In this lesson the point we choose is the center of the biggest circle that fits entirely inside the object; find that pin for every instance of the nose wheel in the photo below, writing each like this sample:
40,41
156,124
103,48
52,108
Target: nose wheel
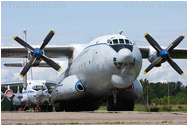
37,108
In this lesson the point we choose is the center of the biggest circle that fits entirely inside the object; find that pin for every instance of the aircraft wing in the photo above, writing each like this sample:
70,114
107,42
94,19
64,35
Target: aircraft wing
53,51
20,64
12,84
50,83
177,53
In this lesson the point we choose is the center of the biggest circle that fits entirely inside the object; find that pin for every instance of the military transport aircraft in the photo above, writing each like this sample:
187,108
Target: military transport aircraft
105,69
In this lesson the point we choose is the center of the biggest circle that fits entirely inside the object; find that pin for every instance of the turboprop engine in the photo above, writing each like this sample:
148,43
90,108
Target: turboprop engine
70,87
134,91
163,55
8,94
152,56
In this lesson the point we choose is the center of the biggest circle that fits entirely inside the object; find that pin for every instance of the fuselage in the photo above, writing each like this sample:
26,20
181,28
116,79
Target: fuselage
108,62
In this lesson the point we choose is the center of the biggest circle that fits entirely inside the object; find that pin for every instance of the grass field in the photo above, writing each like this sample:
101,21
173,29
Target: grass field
157,108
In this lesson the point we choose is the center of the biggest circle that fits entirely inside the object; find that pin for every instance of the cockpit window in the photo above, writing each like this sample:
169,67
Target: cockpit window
39,87
115,41
121,41
126,41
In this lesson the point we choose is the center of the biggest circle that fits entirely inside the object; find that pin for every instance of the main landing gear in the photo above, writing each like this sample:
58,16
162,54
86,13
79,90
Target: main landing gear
77,105
116,102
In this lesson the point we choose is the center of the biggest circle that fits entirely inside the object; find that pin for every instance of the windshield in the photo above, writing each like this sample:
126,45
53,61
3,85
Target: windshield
39,87
119,41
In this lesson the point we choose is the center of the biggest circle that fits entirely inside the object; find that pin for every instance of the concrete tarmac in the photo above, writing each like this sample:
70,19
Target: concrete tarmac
94,118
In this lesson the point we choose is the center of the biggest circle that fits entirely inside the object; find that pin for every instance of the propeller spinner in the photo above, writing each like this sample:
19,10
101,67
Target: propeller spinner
37,53
163,54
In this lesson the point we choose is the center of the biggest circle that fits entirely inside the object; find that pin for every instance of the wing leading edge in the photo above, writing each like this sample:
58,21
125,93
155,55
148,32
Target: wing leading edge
51,51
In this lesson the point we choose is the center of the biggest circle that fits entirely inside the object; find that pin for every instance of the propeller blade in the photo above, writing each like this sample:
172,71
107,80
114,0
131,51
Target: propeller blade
8,98
155,62
47,39
23,43
175,43
2,99
51,63
175,66
154,44
27,67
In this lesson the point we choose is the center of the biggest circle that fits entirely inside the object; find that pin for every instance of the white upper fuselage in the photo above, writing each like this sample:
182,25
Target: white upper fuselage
36,92
101,66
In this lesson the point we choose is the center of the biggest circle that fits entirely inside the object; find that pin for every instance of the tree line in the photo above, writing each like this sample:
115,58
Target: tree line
163,93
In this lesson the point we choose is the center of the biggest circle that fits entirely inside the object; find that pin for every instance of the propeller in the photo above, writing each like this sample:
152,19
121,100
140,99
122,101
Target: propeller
38,53
164,54
3,96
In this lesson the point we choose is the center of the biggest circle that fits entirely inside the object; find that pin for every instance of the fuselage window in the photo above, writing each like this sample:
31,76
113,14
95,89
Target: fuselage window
121,41
115,41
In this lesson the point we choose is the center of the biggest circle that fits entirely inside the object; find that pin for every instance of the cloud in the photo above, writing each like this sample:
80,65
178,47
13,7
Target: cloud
8,75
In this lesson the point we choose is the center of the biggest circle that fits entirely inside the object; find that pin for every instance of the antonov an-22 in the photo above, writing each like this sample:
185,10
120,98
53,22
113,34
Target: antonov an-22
105,69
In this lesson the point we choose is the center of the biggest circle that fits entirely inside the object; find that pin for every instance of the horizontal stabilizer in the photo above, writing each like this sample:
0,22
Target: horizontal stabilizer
12,84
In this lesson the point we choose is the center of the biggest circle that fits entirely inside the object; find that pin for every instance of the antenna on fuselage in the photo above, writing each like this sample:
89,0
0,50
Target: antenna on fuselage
121,32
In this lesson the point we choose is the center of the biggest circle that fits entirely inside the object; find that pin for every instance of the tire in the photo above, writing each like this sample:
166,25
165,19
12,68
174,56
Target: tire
50,108
129,105
110,105
58,106
121,105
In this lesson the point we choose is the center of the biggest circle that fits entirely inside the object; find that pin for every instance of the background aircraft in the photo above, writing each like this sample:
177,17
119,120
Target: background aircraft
105,69
34,95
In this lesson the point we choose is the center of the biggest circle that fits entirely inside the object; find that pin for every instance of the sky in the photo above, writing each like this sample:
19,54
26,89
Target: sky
81,22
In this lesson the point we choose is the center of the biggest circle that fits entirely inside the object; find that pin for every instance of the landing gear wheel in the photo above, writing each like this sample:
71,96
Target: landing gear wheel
50,108
58,106
120,105
129,105
110,104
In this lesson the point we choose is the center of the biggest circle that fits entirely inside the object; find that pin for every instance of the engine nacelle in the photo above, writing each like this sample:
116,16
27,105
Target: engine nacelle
9,93
70,88
134,91
17,99
152,56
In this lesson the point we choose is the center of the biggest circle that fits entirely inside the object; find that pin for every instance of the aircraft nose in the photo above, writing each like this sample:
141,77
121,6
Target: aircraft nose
40,93
125,56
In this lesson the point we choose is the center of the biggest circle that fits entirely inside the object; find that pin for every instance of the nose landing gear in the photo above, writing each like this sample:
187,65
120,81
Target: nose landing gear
37,108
